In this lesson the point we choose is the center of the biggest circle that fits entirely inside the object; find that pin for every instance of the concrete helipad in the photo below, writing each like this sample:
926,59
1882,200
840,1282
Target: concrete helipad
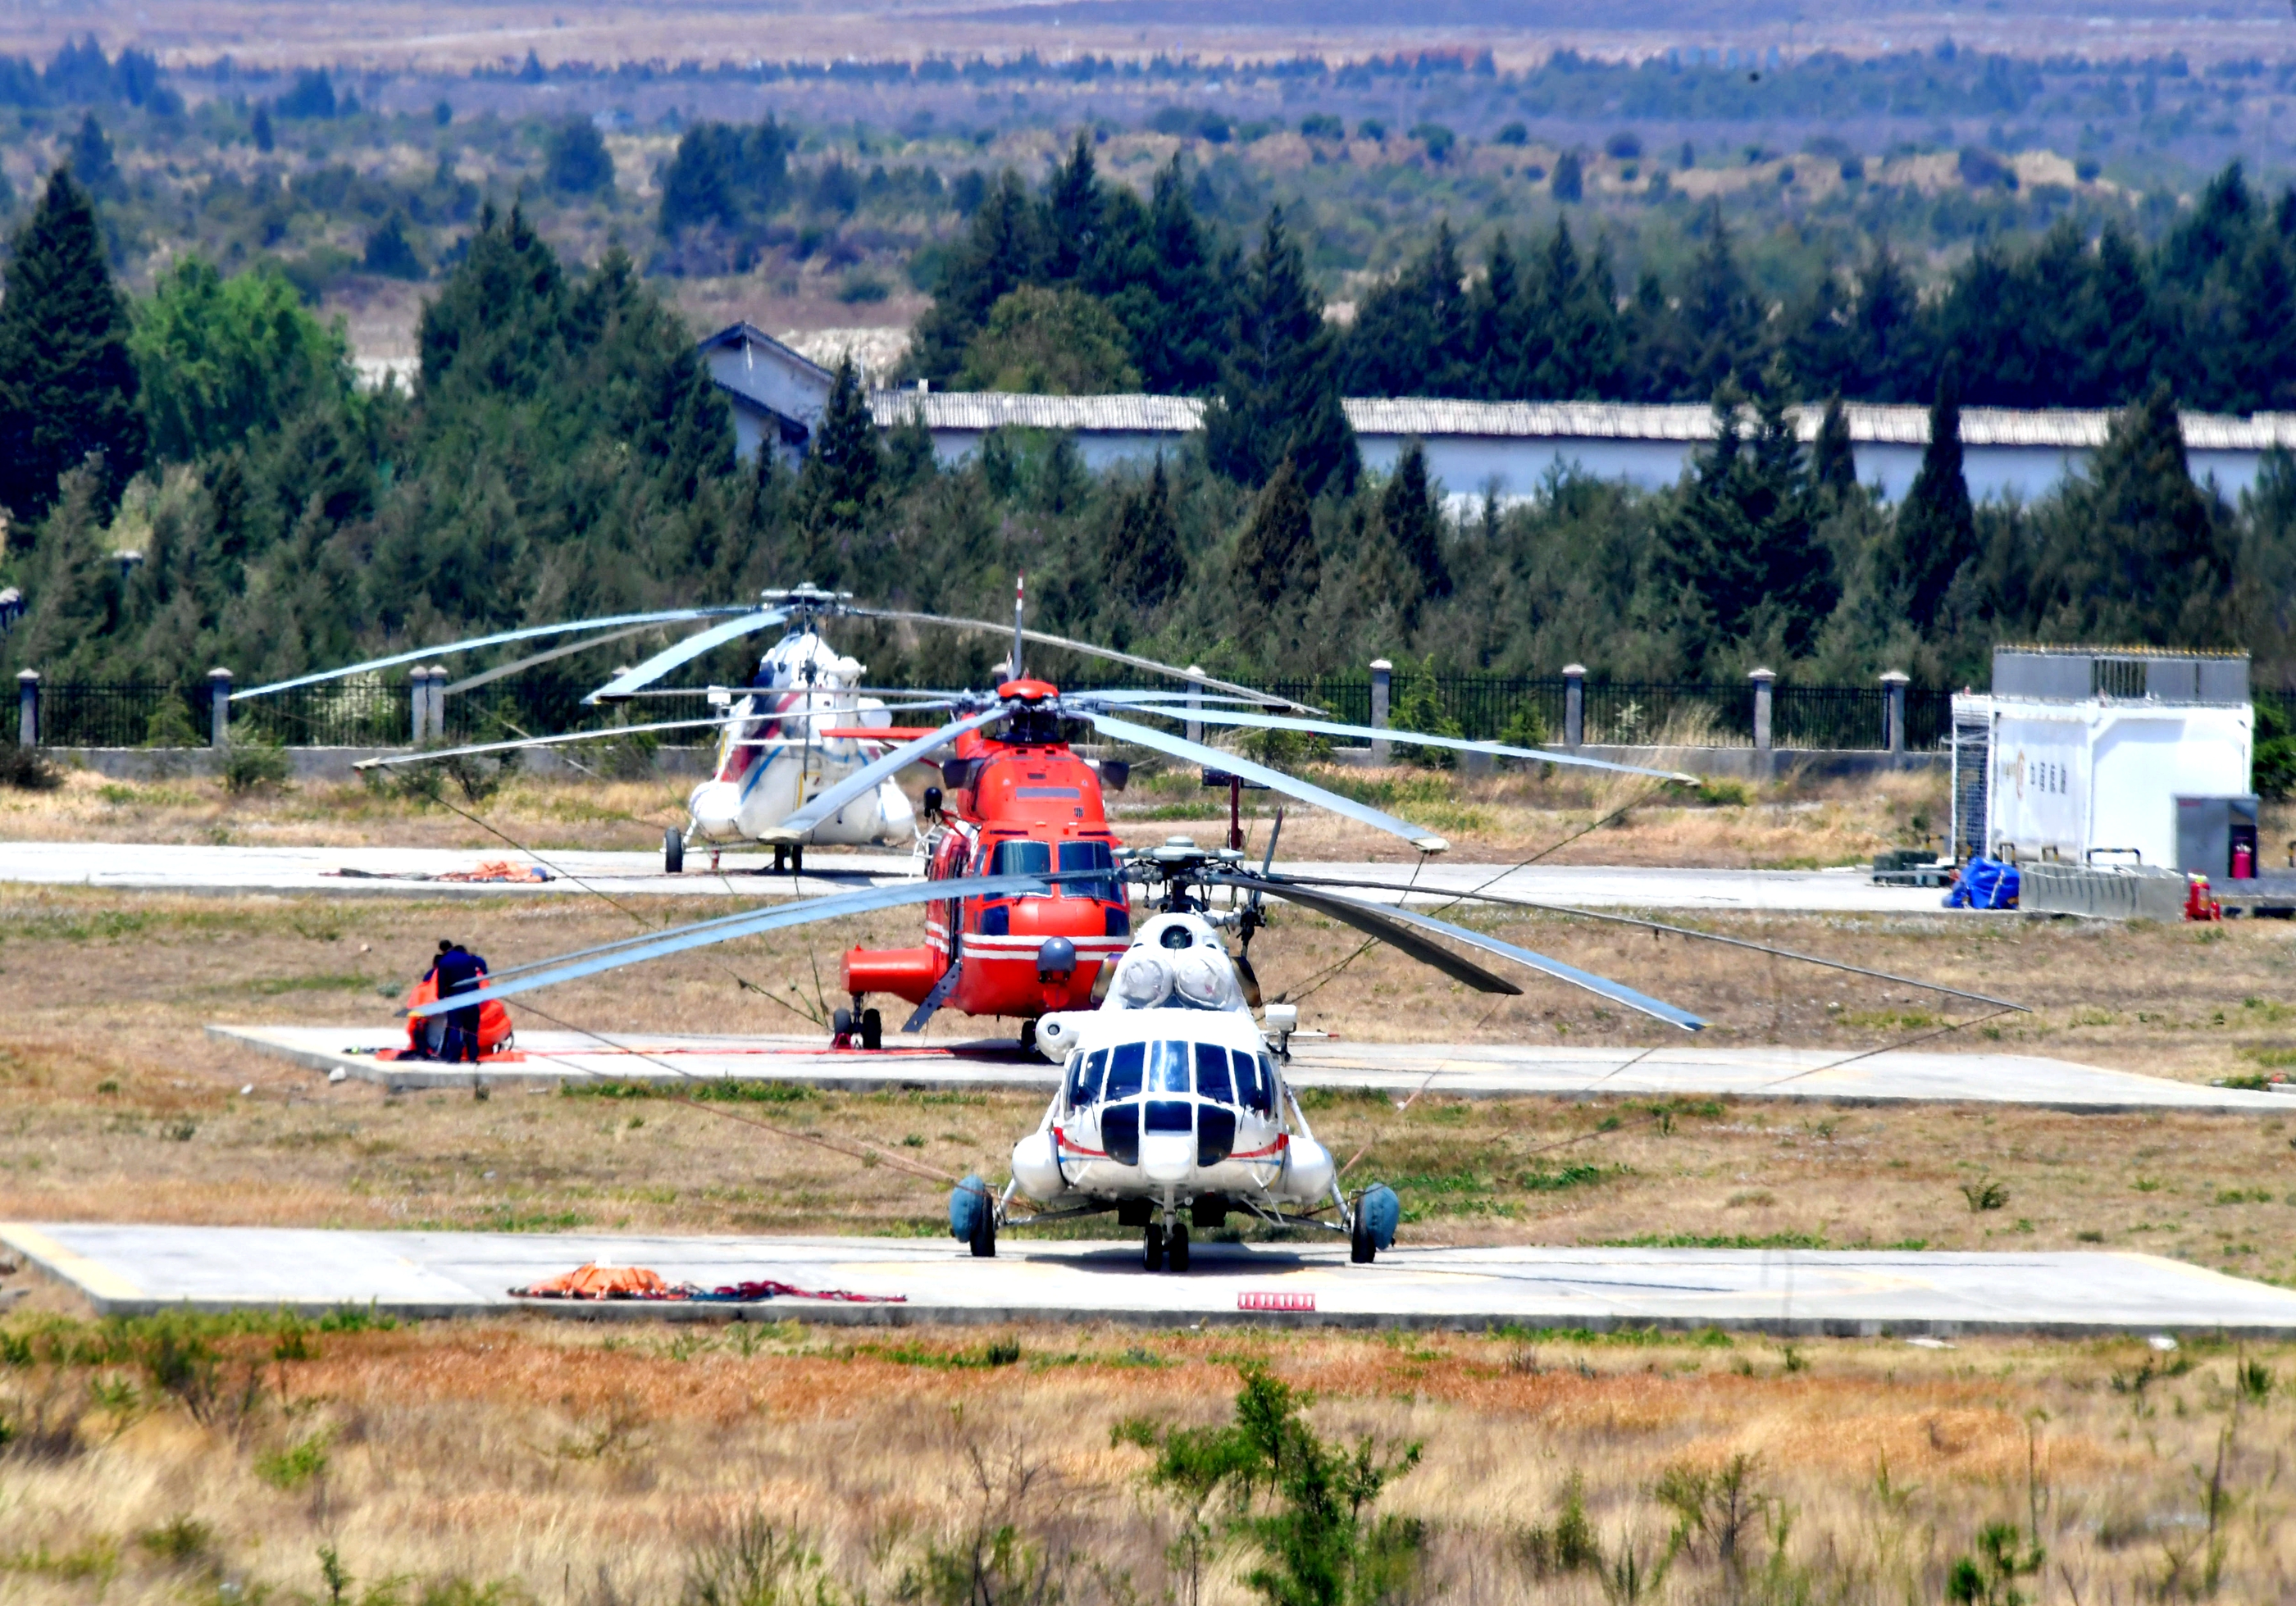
1483,1070
127,1270
404,871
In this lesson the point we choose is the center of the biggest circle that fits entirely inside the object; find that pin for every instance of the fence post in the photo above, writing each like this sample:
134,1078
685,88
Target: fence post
1195,704
439,702
28,707
1763,680
1893,710
418,704
1574,704
1383,686
218,708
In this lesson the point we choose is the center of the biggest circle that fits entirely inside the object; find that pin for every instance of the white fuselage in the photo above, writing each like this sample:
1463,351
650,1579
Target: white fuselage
1168,1091
777,753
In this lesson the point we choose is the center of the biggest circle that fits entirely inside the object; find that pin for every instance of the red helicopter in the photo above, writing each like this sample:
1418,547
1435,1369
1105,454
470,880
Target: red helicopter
1024,890
1018,802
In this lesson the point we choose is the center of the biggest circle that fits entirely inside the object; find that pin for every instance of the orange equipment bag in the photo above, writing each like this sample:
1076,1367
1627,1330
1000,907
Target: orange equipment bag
494,1021
591,1281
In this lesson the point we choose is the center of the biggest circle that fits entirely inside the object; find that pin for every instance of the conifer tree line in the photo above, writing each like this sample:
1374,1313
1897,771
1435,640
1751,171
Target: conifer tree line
562,453
2062,321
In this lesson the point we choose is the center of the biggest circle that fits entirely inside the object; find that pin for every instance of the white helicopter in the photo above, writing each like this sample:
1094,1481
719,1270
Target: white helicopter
1173,1109
803,727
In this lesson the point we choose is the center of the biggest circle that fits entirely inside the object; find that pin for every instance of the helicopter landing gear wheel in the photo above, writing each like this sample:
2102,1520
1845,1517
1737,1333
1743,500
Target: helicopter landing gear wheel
673,850
984,1231
841,1028
872,1030
1028,1034
781,861
797,859
1176,1249
1152,1255
1363,1248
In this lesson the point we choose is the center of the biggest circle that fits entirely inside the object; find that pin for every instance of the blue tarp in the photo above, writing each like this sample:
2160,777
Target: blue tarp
1984,884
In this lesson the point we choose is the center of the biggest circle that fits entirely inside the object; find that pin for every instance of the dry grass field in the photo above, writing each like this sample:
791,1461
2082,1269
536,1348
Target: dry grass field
498,1463
1789,824
492,1463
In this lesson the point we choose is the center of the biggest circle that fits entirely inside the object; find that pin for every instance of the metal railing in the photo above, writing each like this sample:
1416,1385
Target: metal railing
1530,710
122,715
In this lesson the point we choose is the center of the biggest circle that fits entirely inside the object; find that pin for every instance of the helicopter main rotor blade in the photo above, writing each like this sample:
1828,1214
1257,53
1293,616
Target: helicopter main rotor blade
500,671
864,781
1498,749
659,945
606,734
1195,677
1376,920
1658,925
1275,780
666,616
1351,911
684,653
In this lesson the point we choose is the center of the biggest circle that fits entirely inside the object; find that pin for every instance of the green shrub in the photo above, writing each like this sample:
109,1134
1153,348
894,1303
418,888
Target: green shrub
170,726
254,766
25,770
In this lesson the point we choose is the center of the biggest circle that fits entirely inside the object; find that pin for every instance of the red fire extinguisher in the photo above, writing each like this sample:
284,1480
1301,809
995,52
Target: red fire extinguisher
2243,862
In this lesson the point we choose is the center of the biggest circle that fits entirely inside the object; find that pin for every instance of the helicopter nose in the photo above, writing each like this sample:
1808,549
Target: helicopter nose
1167,1157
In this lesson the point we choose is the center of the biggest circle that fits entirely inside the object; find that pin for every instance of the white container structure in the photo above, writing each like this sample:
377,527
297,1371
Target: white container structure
2112,755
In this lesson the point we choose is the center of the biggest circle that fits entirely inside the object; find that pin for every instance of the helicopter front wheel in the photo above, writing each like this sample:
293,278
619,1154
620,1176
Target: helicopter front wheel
1176,1249
673,851
1152,1254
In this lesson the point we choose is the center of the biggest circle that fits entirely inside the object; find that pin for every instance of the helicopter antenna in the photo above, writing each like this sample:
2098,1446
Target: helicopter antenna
1019,606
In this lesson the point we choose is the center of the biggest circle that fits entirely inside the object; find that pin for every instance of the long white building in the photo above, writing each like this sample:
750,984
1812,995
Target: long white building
1474,448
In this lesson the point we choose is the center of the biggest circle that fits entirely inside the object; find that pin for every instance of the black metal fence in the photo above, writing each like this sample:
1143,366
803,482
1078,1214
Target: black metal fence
1525,709
86,715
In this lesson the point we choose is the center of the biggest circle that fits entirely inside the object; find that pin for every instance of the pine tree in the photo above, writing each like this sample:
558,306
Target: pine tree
838,486
1738,553
1832,461
2135,552
1004,249
1936,527
1498,317
1412,335
67,381
1889,353
1280,395
1278,566
1072,214
1413,524
91,154
1578,346
1146,563
73,592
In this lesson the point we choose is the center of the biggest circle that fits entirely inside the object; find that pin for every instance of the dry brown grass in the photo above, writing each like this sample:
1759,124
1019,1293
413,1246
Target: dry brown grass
1498,818
582,1466
113,1104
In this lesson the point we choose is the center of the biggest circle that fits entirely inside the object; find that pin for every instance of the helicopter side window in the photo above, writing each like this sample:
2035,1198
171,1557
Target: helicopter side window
1211,1073
1167,1066
1083,1080
1090,856
1021,857
1255,1079
1124,1064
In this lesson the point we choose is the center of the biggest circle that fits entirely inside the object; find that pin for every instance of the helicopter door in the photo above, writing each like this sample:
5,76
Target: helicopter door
1084,1081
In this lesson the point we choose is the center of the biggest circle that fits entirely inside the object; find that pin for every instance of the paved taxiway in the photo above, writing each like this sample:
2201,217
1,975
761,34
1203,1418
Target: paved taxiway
404,871
1479,1071
128,1269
